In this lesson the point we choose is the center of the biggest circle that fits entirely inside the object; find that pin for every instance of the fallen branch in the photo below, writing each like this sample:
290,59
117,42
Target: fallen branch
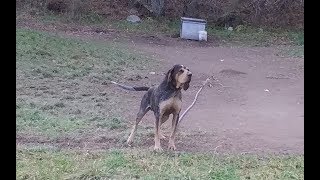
195,99
215,149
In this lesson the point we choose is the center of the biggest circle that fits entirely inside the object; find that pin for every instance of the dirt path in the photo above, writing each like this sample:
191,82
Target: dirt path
260,110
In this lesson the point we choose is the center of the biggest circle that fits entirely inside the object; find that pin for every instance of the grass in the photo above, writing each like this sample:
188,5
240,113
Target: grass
254,36
136,164
42,55
149,25
294,51
32,119
241,35
53,56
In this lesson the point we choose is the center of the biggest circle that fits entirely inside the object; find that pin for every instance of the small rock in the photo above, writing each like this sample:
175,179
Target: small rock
103,94
239,28
266,90
86,94
230,28
59,104
99,104
133,19
78,111
152,72
221,60
135,78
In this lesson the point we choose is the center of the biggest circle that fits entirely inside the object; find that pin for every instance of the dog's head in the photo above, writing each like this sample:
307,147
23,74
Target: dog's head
179,76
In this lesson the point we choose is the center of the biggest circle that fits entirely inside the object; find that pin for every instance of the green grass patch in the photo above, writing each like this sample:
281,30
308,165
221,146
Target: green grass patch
115,123
137,164
32,119
43,55
49,56
297,37
241,35
88,18
149,25
253,36
292,51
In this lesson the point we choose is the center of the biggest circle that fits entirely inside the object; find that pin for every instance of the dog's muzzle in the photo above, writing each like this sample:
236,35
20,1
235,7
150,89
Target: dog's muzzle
189,75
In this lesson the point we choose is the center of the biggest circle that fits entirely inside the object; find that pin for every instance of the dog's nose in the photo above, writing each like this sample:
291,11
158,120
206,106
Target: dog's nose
189,74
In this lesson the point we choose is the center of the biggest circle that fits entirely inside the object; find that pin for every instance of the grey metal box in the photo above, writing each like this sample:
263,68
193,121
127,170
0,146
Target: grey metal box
190,27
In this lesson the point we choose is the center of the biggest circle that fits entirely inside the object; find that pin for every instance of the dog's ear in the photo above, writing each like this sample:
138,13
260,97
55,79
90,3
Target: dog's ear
186,85
169,77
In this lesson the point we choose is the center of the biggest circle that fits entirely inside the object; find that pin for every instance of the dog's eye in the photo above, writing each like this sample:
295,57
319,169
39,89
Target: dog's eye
181,70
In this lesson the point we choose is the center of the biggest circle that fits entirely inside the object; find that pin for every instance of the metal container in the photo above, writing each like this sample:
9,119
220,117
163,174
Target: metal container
190,28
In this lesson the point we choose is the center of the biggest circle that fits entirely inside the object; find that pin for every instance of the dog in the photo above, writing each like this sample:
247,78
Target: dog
163,100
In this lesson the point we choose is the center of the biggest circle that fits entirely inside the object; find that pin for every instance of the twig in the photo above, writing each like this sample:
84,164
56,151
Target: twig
247,152
195,99
215,149
197,94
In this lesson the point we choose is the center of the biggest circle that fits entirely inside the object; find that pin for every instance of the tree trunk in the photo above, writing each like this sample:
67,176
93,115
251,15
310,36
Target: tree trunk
158,7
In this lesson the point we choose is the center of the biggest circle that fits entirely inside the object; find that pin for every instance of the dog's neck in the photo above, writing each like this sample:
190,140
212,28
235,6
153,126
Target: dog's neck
170,86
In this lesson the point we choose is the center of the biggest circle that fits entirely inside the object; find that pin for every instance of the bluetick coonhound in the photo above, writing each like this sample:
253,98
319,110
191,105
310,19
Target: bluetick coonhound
163,100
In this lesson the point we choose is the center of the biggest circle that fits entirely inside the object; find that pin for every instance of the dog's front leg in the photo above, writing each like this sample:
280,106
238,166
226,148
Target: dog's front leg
175,120
163,119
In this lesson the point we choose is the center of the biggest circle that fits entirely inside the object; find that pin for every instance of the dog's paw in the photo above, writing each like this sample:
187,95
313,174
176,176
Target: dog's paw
158,149
172,147
129,142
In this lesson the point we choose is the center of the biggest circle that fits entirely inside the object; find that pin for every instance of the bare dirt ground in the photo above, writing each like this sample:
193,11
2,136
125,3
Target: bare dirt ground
260,109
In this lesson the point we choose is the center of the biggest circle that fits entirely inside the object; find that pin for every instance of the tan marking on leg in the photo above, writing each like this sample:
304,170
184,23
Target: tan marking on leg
175,119
157,145
163,120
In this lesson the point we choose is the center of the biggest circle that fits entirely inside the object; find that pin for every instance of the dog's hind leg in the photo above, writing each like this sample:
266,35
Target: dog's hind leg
144,108
157,145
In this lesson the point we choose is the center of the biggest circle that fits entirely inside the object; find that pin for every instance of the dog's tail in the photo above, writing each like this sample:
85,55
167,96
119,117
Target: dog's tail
131,88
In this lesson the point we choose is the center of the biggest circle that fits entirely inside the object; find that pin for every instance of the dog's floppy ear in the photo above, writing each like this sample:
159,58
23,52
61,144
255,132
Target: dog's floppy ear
169,77
186,85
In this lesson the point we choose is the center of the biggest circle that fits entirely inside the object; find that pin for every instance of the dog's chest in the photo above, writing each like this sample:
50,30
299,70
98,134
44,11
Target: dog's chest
171,104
